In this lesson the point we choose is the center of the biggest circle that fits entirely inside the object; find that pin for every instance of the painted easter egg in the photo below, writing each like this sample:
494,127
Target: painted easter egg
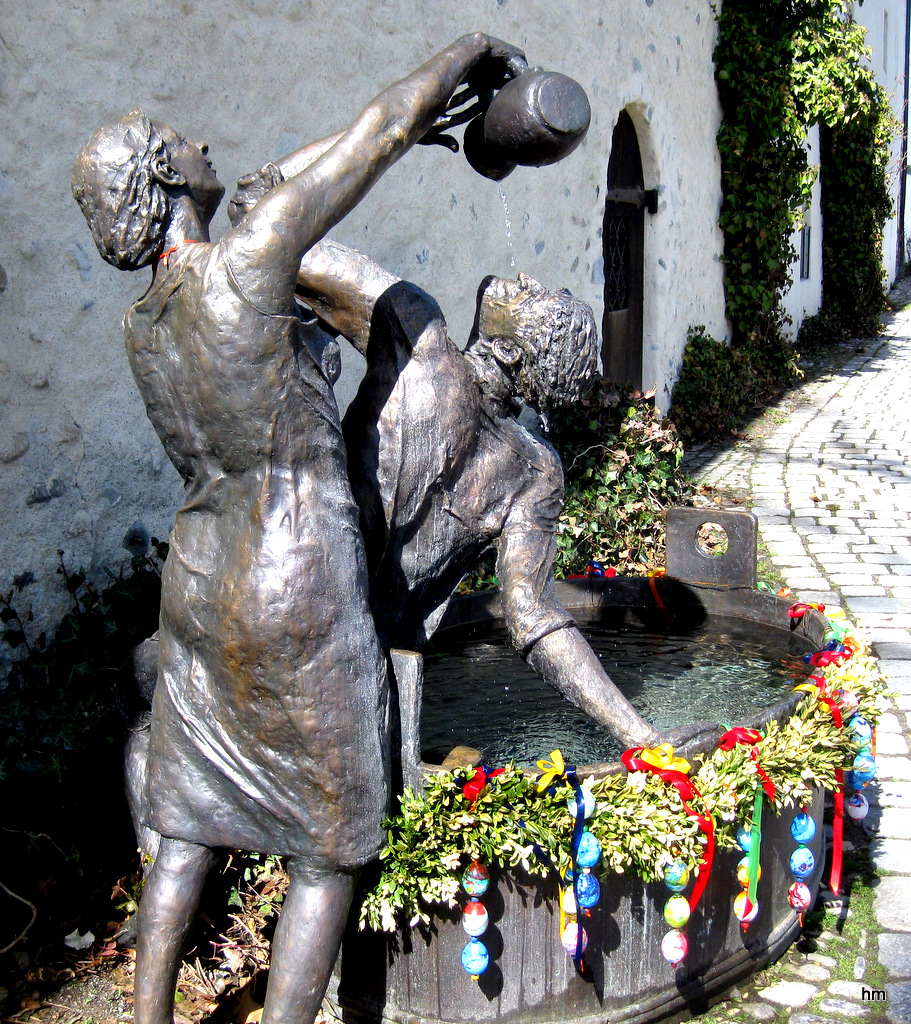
803,828
588,851
674,946
475,879
743,872
740,908
802,862
588,890
588,802
744,839
848,700
857,806
475,919
475,958
570,937
677,875
864,767
861,729
799,896
677,911
568,902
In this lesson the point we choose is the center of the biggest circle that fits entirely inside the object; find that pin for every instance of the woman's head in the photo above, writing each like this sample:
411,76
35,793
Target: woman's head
115,184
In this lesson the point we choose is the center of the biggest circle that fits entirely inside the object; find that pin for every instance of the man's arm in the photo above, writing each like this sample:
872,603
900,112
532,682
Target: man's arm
565,660
545,634
266,247
341,286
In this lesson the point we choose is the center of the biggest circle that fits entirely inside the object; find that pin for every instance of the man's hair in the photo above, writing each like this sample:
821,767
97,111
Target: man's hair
126,208
559,337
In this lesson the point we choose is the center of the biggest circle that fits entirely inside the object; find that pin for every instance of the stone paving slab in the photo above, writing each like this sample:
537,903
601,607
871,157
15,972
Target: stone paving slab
890,743
899,1011
895,953
892,856
892,903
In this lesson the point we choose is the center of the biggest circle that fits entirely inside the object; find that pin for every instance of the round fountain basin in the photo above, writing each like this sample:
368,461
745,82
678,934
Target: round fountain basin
417,976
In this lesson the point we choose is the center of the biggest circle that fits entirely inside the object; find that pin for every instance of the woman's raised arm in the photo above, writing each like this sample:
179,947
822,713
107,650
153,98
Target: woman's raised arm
266,247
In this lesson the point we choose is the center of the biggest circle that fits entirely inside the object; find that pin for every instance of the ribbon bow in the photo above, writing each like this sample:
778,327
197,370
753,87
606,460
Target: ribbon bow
799,609
748,738
473,786
660,761
822,659
553,770
662,758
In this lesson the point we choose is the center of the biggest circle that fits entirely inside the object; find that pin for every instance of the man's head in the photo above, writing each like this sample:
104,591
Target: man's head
123,180
546,341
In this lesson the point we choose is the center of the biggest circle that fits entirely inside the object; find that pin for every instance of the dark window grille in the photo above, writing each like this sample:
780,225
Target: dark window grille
616,262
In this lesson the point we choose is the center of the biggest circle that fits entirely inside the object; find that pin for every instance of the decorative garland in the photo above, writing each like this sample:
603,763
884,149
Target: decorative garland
661,821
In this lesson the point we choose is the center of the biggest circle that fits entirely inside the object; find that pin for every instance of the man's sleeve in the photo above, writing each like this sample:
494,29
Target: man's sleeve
525,563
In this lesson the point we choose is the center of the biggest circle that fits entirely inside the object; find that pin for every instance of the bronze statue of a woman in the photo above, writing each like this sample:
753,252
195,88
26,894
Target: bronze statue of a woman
270,718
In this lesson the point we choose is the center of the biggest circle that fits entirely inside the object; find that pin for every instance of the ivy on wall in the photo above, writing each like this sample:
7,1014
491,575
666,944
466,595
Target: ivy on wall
781,66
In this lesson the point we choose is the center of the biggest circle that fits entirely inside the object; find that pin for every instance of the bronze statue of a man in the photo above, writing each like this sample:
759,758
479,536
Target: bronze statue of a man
270,717
442,469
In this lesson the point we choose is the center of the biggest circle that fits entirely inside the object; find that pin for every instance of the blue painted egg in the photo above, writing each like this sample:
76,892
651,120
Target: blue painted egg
588,851
588,890
854,780
475,958
803,828
861,729
864,767
677,876
744,839
802,862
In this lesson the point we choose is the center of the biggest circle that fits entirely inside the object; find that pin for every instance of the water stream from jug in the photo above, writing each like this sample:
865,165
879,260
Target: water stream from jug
512,251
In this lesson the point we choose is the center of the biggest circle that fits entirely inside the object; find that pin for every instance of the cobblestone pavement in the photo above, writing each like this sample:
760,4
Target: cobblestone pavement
831,486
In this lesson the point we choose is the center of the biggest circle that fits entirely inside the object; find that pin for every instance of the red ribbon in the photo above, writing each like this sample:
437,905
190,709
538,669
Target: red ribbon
798,609
472,788
838,823
823,658
748,738
687,791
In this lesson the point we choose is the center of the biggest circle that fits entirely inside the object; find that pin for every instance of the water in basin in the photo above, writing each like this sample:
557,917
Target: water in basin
478,692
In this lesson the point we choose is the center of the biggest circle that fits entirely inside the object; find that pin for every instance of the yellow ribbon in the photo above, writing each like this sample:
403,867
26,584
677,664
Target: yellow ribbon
553,770
662,757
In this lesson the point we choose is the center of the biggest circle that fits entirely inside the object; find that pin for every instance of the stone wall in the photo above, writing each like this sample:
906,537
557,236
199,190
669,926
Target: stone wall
80,468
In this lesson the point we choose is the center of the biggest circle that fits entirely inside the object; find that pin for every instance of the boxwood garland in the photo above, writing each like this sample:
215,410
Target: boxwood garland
639,820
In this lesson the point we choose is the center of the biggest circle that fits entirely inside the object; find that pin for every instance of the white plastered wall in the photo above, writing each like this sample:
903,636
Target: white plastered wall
79,462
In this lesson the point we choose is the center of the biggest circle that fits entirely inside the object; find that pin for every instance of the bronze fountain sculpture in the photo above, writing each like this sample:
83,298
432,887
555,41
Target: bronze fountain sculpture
271,717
